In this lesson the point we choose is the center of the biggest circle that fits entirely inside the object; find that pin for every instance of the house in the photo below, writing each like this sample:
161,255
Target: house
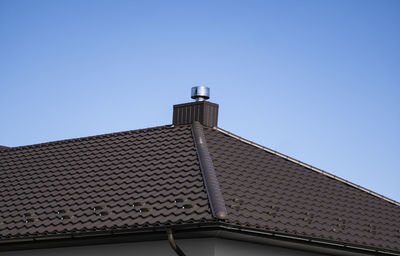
190,188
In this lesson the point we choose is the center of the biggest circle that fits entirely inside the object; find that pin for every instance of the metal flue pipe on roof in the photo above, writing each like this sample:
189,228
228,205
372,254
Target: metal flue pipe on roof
200,93
201,110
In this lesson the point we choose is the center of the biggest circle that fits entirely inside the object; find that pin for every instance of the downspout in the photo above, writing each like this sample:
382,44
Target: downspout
174,246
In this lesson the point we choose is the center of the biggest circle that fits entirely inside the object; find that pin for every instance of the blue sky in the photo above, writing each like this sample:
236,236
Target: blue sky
316,80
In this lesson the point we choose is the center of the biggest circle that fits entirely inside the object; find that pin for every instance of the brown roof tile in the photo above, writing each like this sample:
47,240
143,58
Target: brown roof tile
153,178
123,180
266,191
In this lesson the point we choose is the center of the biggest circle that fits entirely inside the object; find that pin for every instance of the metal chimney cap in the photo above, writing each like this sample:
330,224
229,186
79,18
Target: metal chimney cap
200,93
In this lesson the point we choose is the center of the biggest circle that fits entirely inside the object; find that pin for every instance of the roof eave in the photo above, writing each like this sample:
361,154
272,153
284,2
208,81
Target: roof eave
197,230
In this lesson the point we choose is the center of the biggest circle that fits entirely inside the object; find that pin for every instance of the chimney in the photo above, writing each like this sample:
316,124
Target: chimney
201,110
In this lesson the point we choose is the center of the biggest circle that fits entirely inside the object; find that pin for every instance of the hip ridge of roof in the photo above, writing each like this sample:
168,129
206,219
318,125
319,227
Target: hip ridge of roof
217,203
307,166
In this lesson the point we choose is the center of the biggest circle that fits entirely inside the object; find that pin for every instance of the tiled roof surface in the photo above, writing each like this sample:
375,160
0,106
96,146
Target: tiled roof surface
265,191
152,178
123,180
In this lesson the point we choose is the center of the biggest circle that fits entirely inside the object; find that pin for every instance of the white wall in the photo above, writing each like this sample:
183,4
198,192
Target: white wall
191,247
224,247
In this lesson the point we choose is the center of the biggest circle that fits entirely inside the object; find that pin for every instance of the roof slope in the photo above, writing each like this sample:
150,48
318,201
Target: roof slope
123,180
186,174
266,191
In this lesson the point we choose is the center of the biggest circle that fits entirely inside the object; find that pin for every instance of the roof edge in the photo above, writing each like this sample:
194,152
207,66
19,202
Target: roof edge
3,148
307,166
216,199
196,230
309,243
40,144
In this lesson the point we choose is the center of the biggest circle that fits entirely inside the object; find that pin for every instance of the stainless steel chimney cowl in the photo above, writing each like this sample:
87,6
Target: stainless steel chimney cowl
200,93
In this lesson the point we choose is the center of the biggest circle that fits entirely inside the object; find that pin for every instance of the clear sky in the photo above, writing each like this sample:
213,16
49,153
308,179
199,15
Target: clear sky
316,80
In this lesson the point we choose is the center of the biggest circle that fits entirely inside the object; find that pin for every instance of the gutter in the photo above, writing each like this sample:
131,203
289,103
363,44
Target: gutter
297,242
199,230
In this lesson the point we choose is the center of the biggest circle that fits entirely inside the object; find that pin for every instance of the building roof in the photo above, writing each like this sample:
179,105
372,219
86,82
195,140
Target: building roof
266,191
131,179
186,174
